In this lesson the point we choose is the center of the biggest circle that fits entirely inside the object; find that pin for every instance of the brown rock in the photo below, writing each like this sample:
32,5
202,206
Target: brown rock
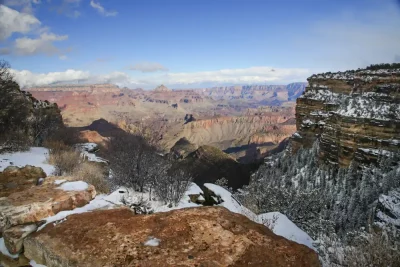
14,236
14,179
206,236
8,262
35,203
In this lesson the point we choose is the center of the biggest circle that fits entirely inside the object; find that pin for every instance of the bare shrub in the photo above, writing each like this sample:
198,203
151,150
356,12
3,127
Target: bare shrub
171,187
270,222
93,174
65,161
134,163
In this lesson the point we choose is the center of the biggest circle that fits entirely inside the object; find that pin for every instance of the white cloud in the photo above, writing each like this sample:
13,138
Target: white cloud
24,5
254,75
41,45
27,78
148,67
42,42
102,10
13,21
63,57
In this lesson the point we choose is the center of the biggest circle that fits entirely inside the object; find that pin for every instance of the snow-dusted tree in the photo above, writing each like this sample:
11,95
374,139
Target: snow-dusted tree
14,111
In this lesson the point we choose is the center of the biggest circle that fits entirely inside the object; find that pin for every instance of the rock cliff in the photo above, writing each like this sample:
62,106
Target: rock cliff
354,114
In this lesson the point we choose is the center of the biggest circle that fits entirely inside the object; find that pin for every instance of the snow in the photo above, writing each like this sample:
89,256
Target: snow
367,107
74,186
5,251
152,242
36,156
99,202
34,264
286,228
58,182
283,227
114,199
87,152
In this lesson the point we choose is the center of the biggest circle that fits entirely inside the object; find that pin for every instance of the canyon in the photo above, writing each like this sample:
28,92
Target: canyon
241,120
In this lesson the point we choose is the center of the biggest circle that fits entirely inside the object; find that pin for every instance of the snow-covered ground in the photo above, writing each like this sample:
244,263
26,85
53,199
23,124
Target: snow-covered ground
35,156
282,226
87,152
286,228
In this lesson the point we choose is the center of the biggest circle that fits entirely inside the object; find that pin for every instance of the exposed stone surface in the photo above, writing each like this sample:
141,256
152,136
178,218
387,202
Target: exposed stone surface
8,262
31,204
14,236
355,114
207,236
14,179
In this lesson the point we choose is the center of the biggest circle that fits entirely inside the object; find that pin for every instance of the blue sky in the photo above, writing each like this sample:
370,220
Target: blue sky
193,43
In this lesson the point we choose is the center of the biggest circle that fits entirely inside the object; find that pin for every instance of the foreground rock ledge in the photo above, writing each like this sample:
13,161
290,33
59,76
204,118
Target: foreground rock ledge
205,236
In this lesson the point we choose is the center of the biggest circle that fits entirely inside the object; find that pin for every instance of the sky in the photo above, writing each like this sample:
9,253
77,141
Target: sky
193,43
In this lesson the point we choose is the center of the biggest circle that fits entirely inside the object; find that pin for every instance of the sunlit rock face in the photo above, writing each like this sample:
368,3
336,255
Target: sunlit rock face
354,114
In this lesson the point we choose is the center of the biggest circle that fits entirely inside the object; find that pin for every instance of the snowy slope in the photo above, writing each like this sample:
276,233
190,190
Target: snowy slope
35,156
283,226
286,228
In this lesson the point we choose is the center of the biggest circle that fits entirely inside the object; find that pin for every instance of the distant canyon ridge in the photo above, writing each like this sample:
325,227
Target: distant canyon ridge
245,121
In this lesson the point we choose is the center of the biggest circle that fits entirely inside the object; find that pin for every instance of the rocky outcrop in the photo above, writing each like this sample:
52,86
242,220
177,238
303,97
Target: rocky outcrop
162,88
32,204
207,164
225,132
354,114
14,179
182,148
207,236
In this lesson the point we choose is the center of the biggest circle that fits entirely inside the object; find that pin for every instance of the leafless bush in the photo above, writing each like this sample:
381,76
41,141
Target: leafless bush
171,187
65,161
93,174
270,222
134,163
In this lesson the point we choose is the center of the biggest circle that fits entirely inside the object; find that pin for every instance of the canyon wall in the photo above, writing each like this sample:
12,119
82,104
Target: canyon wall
354,114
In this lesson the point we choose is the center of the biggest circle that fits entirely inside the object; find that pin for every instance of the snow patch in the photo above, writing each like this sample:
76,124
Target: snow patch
4,250
36,156
286,228
152,242
74,186
34,264
58,182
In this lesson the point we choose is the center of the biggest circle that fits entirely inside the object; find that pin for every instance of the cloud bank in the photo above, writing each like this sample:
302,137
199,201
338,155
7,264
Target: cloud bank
253,75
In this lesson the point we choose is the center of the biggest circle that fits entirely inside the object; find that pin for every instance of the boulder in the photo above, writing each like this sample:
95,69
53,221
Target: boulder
14,236
204,236
32,204
14,179
8,262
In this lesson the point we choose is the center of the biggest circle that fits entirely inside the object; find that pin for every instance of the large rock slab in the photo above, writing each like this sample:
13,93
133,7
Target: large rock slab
14,179
32,204
205,236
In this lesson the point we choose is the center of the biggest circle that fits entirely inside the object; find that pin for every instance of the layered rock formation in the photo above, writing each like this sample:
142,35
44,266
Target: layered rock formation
27,197
355,114
208,236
